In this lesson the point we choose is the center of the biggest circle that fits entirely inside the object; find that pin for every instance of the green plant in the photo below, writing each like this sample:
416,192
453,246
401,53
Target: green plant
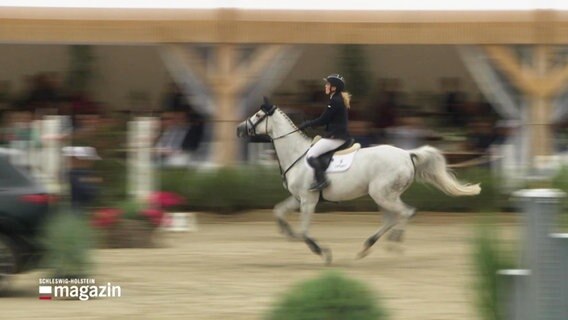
131,209
488,258
355,68
81,71
68,240
226,190
330,296
233,189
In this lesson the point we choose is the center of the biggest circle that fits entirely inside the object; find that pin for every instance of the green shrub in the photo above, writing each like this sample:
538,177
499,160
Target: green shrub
233,189
226,190
488,258
331,296
68,240
427,198
131,209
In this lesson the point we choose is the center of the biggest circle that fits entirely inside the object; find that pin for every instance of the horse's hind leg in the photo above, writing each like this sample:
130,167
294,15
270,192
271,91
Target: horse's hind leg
389,222
389,201
280,211
397,233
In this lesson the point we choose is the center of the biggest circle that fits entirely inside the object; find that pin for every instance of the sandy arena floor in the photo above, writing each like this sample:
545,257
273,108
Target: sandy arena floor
235,267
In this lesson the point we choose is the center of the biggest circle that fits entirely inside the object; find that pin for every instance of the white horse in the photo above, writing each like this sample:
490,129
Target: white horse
384,172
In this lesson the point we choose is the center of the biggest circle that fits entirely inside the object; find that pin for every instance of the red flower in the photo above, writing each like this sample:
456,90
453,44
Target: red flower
165,199
105,217
154,215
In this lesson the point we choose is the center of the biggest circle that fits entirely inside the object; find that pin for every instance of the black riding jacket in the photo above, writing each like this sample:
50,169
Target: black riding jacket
335,118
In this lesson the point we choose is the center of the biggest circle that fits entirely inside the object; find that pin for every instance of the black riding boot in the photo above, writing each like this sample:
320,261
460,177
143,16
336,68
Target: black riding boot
321,180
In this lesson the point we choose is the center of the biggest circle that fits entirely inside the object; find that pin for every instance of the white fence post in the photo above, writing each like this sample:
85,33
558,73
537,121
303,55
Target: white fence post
141,133
51,154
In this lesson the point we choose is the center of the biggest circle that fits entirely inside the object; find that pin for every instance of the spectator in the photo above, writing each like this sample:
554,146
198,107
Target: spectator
83,181
480,136
452,100
385,106
171,147
409,133
174,99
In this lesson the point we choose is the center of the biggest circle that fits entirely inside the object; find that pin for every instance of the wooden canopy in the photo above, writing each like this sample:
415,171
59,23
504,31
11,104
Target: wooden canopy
150,26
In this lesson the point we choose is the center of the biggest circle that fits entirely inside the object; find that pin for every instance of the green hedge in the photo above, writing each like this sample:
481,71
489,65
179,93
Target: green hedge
332,296
68,240
226,190
488,258
234,189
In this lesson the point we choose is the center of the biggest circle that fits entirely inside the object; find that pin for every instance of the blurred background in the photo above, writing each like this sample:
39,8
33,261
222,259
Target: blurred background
123,121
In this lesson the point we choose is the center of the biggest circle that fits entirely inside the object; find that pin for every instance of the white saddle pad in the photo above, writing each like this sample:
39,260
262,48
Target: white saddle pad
339,163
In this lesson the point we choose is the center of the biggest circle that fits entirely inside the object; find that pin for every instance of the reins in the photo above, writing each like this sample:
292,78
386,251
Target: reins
285,135
284,172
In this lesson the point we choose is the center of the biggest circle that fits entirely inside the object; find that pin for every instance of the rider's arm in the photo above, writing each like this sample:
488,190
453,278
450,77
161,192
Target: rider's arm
323,119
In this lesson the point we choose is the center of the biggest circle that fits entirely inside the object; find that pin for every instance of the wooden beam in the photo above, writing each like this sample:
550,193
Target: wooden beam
248,71
538,84
508,62
137,26
185,54
557,80
541,139
227,109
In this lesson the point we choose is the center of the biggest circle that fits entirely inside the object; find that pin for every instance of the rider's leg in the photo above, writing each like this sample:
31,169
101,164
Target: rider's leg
321,147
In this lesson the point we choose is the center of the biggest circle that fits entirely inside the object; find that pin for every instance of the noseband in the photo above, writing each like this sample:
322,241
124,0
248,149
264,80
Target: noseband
251,130
251,127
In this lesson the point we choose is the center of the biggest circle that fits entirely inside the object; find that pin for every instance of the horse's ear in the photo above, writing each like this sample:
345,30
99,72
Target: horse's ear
268,107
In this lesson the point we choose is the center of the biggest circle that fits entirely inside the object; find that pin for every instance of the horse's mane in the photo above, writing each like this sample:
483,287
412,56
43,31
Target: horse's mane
292,124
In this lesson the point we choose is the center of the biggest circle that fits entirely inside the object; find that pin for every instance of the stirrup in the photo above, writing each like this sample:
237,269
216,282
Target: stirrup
318,186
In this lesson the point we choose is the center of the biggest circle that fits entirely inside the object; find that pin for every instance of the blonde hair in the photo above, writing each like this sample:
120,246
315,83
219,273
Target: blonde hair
346,99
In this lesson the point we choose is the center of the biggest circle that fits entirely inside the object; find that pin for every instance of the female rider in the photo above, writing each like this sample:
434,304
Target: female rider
335,119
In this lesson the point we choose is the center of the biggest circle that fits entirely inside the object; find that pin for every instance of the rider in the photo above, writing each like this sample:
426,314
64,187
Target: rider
335,119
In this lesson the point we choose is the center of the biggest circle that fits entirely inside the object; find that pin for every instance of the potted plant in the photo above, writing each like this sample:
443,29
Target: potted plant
132,223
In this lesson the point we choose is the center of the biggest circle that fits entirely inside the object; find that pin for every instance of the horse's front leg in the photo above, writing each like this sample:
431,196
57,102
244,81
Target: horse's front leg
308,208
280,211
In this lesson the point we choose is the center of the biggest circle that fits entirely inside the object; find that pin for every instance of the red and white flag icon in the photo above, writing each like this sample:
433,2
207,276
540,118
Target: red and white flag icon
45,292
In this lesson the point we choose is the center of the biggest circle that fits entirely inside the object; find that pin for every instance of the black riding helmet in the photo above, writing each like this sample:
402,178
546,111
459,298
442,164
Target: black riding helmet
336,81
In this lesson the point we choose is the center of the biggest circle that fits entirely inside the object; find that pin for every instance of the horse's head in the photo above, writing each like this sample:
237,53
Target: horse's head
257,124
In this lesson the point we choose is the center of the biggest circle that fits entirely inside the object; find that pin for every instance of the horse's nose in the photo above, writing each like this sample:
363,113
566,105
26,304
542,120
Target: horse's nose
241,129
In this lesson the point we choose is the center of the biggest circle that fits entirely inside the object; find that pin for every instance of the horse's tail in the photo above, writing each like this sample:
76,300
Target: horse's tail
431,168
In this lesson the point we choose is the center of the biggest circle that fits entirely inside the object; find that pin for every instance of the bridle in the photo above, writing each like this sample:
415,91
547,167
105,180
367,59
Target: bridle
251,127
251,131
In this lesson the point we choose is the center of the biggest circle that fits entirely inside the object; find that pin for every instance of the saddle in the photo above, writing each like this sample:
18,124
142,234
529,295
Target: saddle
348,147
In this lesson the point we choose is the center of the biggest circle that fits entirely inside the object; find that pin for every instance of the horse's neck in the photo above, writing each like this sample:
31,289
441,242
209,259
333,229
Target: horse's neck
291,147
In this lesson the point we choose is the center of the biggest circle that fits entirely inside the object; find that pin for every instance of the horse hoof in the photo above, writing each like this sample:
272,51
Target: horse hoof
365,252
326,255
395,248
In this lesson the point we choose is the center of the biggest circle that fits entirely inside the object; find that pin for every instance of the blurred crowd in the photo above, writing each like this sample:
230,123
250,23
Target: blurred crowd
88,121
460,124
95,131
449,118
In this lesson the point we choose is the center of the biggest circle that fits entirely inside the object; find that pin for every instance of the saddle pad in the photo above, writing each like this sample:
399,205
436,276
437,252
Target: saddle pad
339,163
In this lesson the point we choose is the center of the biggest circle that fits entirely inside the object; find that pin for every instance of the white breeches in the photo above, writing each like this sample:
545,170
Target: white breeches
324,145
